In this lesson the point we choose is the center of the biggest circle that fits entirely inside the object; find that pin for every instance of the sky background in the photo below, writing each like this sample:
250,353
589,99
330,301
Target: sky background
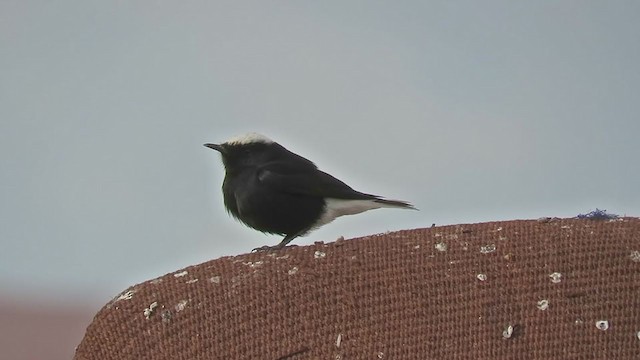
473,111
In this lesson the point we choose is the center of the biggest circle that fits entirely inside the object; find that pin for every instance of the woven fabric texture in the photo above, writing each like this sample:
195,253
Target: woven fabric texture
536,289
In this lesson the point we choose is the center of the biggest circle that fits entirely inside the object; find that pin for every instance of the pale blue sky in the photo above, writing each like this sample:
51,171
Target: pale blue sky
474,111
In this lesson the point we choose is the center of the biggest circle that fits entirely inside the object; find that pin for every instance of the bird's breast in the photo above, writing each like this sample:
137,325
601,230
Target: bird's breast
269,209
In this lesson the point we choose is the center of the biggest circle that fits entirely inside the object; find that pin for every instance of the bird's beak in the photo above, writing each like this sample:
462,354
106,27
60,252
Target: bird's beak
215,147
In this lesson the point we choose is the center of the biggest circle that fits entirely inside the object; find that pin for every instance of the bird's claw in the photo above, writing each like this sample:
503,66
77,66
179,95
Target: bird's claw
266,248
270,248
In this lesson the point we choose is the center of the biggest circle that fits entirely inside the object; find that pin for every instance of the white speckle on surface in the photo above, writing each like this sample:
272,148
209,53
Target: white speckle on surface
380,355
192,281
417,247
181,273
635,256
127,295
441,246
156,281
579,321
507,332
253,264
556,277
319,254
489,248
543,304
638,335
602,324
498,229
339,340
166,316
482,277
215,279
293,270
149,311
181,305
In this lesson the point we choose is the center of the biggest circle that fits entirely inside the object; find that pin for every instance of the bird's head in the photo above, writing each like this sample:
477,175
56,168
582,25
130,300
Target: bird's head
247,150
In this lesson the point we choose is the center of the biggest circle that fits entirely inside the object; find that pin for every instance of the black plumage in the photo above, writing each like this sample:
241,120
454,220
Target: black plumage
273,190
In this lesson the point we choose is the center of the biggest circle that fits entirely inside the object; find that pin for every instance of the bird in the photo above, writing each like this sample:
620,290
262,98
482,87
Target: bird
275,191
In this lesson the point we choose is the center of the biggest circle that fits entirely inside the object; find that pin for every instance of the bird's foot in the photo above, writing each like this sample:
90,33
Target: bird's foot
287,239
267,248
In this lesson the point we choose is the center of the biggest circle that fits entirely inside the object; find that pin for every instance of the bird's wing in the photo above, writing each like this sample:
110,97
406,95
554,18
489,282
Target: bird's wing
307,181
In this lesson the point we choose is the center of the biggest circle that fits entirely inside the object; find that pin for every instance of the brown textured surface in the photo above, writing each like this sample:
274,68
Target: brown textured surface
411,294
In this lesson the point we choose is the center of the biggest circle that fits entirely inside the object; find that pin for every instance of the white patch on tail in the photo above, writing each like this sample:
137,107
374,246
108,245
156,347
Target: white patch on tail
339,207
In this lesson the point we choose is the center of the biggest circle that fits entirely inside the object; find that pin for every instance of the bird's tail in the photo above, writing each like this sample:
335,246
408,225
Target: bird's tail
395,203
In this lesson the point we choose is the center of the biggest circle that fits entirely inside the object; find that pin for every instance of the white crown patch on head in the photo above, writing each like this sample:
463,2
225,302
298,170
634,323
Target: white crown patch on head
250,138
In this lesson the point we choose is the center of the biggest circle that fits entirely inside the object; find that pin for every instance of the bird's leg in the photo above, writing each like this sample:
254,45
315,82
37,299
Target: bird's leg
287,239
